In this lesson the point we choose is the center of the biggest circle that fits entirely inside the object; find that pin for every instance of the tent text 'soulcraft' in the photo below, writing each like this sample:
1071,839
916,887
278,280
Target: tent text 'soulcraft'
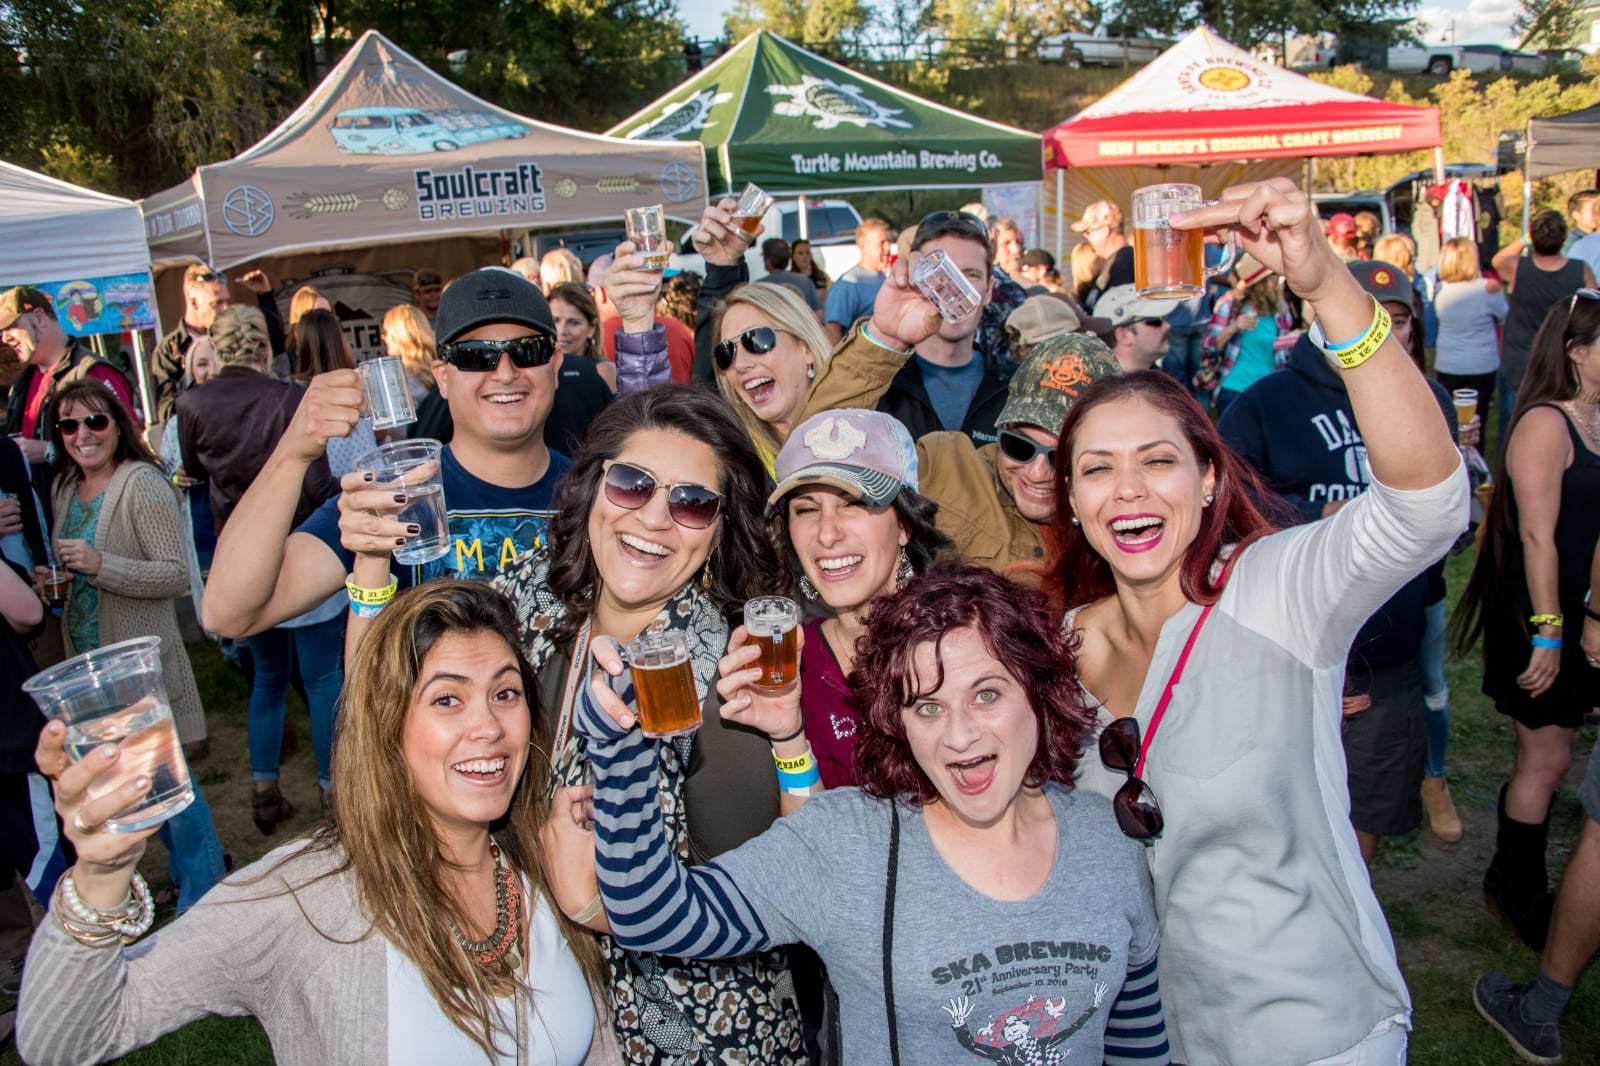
386,150
797,124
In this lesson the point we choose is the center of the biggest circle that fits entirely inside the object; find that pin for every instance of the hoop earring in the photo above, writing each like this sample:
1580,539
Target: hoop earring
903,570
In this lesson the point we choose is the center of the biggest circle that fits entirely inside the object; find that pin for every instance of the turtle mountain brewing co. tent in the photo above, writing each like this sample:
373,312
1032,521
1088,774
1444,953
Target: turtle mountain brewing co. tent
1205,102
388,151
794,123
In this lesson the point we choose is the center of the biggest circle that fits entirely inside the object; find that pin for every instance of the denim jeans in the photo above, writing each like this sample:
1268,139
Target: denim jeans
1435,691
319,649
1182,360
1508,401
194,854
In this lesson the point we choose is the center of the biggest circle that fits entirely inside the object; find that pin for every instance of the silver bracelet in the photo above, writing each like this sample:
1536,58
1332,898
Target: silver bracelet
130,921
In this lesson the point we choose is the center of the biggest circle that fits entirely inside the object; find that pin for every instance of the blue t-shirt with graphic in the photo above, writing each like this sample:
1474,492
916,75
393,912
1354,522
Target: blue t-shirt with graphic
490,525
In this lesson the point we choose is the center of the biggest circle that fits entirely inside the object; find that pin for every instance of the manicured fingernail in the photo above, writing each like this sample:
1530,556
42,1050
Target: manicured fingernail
399,497
1175,218
399,542
366,475
108,753
413,529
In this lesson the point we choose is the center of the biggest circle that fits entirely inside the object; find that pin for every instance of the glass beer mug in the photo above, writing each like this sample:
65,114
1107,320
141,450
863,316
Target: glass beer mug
1172,264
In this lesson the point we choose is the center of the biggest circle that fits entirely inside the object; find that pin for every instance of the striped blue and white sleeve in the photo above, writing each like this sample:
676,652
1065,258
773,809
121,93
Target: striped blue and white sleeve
1136,1031
653,901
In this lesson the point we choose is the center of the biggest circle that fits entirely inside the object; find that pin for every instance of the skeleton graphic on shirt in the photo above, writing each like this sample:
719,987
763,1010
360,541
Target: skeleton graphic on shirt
1022,1048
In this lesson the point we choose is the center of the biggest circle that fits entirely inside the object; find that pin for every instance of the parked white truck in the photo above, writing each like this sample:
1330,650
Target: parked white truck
1098,49
1440,59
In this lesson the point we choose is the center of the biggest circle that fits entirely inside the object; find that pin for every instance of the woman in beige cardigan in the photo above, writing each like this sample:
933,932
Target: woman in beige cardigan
119,530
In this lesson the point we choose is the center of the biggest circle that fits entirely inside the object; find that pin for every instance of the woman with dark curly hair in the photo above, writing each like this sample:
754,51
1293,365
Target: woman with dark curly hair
847,506
1011,919
659,527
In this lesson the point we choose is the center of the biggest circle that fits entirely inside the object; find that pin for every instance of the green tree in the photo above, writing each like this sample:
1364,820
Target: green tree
1547,23
1249,22
833,26
1015,23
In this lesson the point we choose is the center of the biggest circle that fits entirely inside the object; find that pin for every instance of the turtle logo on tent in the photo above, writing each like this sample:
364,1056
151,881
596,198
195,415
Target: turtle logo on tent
832,105
686,116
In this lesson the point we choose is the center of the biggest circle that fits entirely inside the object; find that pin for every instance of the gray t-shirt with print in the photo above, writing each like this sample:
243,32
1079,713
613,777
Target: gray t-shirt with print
975,979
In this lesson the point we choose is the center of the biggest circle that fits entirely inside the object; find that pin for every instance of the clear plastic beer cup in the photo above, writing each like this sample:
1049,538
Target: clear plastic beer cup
115,694
647,229
388,397
413,468
753,204
942,282
1172,264
1466,403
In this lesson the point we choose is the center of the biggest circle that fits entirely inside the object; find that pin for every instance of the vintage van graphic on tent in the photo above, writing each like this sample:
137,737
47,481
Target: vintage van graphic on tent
409,130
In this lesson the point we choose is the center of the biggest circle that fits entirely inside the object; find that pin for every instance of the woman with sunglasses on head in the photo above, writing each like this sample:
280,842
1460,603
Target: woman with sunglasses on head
120,531
659,527
1531,576
414,925
1215,647
947,895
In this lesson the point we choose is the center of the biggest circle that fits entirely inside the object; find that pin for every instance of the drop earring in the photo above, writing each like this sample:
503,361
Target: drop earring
811,371
705,576
903,571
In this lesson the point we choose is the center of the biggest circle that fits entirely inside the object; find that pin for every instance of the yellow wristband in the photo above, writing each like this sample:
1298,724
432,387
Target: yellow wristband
797,765
1353,353
370,597
1547,619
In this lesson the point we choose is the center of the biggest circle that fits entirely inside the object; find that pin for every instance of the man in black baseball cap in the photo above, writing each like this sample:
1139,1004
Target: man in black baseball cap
497,369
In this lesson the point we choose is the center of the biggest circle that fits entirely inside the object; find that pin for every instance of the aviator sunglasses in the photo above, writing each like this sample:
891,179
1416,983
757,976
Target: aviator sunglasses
757,340
629,486
478,357
1138,813
1021,448
95,422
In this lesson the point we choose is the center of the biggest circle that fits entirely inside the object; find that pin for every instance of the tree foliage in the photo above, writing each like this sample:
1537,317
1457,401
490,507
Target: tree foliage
1249,22
1019,23
826,25
1547,23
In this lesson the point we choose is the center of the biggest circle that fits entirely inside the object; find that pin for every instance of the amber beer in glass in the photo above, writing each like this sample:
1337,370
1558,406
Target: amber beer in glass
1170,264
773,624
753,204
663,684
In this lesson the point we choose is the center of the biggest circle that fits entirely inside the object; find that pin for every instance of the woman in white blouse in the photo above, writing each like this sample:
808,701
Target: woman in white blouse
413,926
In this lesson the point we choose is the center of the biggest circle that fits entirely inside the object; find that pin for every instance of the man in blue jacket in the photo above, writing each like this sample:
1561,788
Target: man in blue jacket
1296,427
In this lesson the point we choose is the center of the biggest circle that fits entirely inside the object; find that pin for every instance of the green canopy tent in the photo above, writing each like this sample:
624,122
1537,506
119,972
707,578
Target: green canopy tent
794,123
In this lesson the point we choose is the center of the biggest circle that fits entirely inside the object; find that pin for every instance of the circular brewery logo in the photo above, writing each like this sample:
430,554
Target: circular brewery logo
1224,79
247,211
679,182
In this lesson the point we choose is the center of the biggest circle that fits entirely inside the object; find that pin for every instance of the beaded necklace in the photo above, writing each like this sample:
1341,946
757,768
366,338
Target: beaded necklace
503,942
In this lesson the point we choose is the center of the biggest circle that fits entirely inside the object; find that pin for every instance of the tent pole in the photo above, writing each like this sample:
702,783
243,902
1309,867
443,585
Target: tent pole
1311,174
1527,182
1438,163
805,223
140,372
1061,237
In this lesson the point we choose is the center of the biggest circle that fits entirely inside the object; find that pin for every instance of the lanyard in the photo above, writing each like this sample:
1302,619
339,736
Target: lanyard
575,675
1166,696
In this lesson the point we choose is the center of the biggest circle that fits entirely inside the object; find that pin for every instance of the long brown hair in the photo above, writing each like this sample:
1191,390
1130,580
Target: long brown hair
582,301
319,345
1076,574
1551,377
96,397
382,828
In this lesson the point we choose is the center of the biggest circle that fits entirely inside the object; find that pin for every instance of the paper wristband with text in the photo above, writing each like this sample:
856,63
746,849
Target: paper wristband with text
1351,354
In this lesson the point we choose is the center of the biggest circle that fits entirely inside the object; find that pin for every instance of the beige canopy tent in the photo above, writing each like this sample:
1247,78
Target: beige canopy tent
385,151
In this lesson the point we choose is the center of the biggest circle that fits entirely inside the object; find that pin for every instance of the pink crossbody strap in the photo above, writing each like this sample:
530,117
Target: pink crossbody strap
1166,696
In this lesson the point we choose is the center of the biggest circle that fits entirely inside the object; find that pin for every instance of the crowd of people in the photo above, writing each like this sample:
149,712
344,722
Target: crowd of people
1073,551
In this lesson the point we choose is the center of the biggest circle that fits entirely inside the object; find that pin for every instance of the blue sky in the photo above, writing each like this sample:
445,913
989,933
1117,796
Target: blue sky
1476,21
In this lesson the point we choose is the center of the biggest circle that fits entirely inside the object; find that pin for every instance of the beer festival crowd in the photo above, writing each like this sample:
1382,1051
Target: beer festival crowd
1021,666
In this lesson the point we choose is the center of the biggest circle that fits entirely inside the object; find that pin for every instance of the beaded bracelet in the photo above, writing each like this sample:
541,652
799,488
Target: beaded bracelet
94,927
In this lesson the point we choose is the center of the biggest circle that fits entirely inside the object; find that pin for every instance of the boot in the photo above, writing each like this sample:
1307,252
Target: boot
1516,886
1442,816
268,808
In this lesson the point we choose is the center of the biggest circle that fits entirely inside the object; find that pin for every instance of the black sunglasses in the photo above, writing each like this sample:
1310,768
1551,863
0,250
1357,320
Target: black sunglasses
757,340
951,221
691,506
212,275
536,349
96,422
1138,813
1153,323
1021,448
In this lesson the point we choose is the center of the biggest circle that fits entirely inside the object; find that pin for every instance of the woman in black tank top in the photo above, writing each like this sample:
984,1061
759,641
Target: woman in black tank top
1531,575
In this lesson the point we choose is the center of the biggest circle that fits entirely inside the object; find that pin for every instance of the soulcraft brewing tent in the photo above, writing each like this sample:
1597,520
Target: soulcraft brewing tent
385,150
1204,108
794,123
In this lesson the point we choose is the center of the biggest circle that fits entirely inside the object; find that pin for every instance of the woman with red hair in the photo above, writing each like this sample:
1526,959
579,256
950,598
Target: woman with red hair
1215,648
965,896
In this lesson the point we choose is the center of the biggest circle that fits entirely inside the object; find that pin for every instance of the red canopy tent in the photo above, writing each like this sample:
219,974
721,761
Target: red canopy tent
1206,101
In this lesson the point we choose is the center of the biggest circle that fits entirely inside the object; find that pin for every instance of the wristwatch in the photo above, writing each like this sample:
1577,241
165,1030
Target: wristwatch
49,452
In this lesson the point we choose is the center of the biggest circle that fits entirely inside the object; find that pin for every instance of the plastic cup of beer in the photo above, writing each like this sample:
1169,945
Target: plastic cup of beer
388,397
647,229
773,624
1172,264
753,204
943,283
1466,401
412,468
116,694
663,684
55,585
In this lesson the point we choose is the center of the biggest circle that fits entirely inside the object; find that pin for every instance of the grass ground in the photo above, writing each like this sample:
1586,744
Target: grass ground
1430,891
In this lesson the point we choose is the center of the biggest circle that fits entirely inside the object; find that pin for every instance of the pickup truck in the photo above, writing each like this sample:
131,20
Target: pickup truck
1440,60
1099,50
830,227
406,130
